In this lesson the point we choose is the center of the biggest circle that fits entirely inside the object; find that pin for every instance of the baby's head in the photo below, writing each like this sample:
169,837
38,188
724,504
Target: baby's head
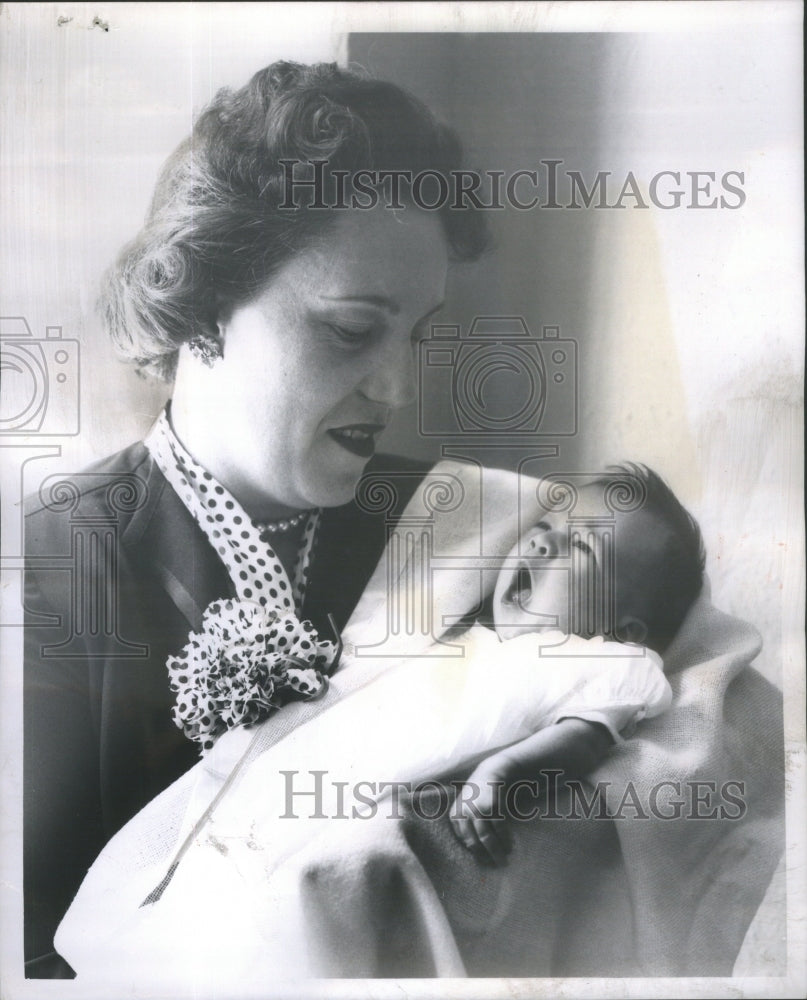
557,576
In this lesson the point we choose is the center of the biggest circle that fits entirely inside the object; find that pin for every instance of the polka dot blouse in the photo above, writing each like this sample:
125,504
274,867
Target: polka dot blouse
255,570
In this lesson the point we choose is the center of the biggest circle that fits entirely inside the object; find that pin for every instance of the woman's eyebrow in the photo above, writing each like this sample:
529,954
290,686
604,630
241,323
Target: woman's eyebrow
374,300
381,301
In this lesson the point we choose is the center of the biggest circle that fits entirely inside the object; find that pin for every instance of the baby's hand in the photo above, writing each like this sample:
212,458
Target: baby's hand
478,818
573,746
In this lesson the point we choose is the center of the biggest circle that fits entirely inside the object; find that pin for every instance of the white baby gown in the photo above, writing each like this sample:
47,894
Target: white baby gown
234,908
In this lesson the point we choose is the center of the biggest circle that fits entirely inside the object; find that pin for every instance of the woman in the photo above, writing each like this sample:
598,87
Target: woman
288,331
289,336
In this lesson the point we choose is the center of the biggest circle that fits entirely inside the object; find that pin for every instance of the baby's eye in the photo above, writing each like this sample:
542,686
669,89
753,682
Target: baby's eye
578,543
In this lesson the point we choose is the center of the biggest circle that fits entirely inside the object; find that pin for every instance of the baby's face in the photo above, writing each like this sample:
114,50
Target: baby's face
565,573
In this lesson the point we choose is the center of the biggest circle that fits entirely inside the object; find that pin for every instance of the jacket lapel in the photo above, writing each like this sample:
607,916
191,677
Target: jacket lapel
351,542
167,543
349,545
169,547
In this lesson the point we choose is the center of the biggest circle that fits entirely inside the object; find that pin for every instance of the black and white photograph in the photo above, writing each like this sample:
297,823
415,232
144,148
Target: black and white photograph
401,450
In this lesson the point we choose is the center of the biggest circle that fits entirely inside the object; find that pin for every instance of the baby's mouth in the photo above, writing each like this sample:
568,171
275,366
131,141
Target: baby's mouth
520,589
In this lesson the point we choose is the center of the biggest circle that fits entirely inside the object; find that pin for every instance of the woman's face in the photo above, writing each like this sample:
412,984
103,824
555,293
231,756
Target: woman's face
316,363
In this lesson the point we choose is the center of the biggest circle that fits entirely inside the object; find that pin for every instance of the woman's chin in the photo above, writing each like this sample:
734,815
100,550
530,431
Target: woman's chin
337,477
337,489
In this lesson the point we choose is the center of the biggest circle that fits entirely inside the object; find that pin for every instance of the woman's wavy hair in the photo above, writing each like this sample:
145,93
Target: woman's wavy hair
215,232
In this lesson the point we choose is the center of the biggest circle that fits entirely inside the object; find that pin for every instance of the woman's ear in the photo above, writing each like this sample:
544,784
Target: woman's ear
222,314
630,629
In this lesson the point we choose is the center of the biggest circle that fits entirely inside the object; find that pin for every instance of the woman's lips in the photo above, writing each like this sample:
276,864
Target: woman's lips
358,439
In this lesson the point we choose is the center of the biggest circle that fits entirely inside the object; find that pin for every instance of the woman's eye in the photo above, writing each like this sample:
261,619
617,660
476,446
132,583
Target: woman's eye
352,336
578,543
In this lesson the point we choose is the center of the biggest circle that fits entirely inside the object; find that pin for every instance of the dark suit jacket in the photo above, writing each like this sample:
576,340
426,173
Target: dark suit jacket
118,573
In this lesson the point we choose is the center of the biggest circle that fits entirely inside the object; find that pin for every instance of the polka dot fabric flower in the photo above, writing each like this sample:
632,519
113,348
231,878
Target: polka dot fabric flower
246,662
253,653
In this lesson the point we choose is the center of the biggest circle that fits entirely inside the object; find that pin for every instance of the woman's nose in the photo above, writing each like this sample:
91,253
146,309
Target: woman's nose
392,380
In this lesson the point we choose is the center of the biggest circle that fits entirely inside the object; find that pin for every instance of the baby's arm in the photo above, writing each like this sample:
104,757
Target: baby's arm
572,745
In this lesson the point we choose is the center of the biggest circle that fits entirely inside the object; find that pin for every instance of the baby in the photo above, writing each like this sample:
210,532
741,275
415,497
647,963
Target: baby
410,720
656,557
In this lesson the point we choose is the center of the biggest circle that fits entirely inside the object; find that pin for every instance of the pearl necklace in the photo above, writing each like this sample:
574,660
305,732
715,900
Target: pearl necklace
283,525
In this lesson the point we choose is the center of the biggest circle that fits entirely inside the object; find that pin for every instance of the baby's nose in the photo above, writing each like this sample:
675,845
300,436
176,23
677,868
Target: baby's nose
546,545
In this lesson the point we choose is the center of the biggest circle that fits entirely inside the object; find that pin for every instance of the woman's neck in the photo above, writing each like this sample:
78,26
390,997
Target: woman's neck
195,416
257,503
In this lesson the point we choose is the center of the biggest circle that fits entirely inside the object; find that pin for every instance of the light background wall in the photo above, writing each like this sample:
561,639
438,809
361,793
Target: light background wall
689,323
89,116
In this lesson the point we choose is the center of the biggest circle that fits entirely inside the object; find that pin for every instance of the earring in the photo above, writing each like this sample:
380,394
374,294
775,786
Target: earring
205,348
